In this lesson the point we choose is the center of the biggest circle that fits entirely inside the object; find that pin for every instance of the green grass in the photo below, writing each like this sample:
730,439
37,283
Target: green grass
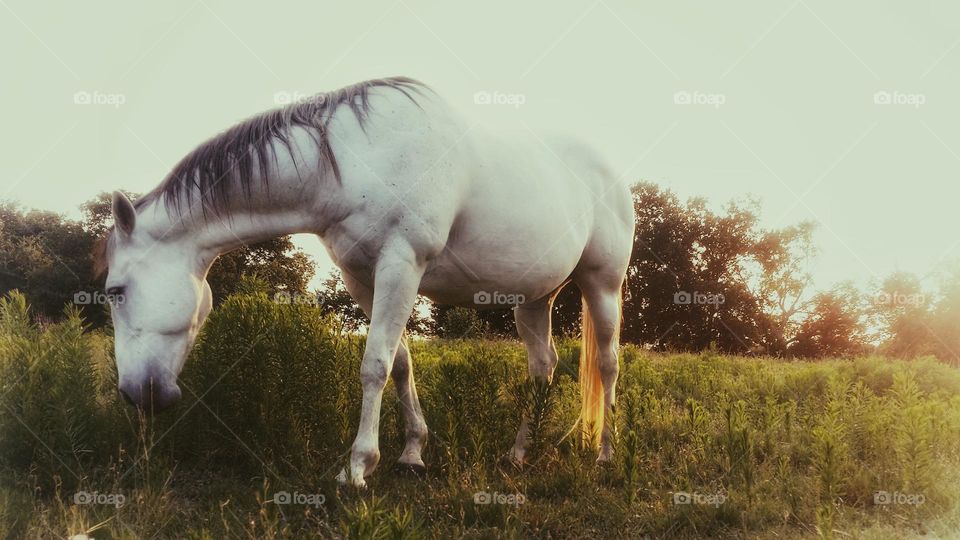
777,449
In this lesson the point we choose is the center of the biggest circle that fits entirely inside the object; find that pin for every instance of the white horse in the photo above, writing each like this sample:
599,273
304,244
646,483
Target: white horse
407,199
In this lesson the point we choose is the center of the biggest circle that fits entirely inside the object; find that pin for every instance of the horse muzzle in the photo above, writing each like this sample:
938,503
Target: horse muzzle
151,395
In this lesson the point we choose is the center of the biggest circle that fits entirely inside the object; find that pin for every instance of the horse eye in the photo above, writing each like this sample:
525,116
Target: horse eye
115,295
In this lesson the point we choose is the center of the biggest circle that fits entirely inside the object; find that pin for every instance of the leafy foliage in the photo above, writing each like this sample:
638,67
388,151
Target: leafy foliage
271,400
699,279
48,257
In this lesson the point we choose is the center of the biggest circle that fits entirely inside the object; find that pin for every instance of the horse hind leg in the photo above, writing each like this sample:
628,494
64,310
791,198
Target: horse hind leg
602,300
534,327
415,425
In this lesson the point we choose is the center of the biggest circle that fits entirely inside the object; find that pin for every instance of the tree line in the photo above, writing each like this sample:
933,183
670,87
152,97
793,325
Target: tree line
698,279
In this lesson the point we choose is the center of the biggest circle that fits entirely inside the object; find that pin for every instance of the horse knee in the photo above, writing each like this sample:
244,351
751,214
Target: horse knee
542,364
373,371
609,368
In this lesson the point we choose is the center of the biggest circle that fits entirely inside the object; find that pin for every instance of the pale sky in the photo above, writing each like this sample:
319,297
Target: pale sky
783,97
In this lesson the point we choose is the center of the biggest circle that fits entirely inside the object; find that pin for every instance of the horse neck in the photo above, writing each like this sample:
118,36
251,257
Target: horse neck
216,233
285,204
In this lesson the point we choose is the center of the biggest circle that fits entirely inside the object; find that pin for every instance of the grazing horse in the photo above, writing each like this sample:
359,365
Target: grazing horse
408,199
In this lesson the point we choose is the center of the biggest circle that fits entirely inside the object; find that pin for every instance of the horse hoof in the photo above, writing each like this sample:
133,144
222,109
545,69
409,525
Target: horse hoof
344,480
511,460
605,464
417,469
606,455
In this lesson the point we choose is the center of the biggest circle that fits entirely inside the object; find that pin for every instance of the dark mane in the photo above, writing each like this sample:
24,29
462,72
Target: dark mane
233,158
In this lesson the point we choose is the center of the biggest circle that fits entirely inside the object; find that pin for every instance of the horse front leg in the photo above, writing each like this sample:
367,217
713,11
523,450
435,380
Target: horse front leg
396,282
402,375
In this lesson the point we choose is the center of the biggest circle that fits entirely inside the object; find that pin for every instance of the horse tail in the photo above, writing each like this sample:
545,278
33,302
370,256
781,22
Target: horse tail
591,384
591,387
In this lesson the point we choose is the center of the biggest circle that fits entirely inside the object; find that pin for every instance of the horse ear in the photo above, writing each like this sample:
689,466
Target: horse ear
124,215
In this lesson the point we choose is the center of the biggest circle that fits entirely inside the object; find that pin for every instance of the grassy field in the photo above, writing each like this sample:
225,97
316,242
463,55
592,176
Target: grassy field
708,445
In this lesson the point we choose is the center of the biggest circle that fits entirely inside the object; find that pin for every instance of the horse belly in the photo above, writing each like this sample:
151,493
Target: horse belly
451,279
518,250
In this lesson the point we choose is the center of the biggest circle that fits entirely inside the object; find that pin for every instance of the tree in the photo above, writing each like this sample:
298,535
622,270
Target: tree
834,327
98,212
46,256
461,323
783,259
700,279
334,298
914,322
945,340
284,267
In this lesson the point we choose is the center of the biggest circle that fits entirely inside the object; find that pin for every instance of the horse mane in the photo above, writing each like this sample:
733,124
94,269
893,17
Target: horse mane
236,156
233,158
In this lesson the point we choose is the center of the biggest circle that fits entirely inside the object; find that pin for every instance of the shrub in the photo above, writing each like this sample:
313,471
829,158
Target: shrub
54,420
265,384
272,395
